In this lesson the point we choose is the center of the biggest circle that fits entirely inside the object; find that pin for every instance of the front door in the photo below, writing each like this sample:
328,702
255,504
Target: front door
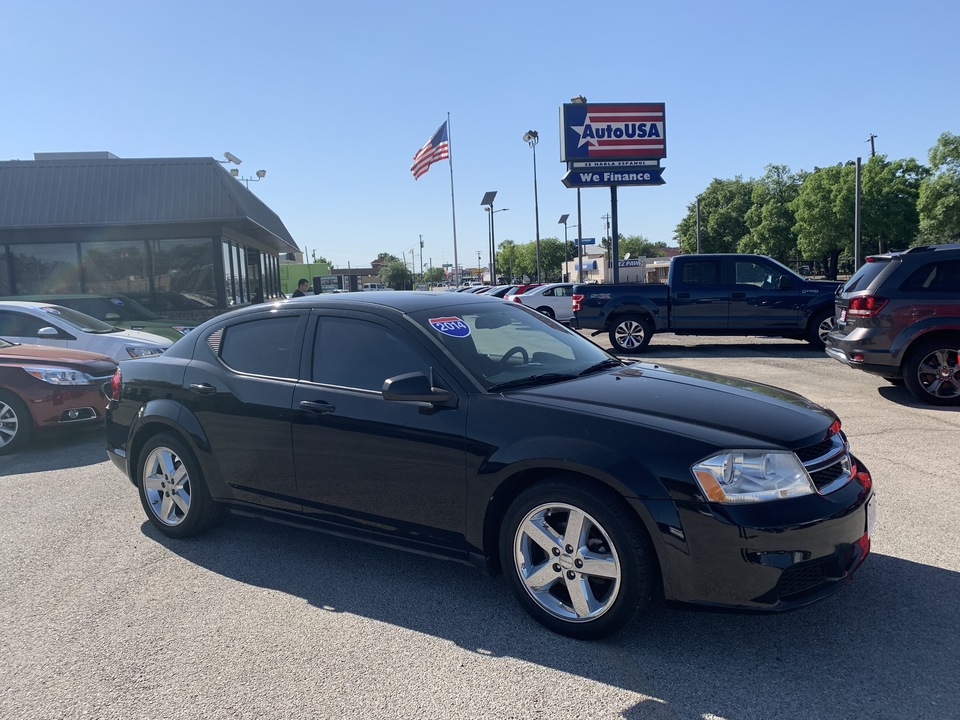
363,461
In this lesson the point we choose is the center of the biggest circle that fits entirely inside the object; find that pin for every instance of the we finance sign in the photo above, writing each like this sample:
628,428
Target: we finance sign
612,131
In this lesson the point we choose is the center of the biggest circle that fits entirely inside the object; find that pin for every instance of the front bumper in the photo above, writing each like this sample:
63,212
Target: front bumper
770,556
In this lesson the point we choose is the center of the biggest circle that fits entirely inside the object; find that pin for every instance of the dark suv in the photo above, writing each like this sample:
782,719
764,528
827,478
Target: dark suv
899,317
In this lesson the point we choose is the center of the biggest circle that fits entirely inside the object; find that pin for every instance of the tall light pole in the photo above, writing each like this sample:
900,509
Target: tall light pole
487,201
566,252
532,137
493,244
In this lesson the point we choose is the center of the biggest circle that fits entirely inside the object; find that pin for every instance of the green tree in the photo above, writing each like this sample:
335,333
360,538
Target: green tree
770,219
888,204
939,195
824,211
434,275
506,257
636,245
394,273
723,206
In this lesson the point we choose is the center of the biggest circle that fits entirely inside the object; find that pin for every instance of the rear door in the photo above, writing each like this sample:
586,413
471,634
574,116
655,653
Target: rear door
699,300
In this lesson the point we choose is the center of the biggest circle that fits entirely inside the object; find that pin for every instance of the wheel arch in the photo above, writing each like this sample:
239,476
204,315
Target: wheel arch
167,416
523,478
933,329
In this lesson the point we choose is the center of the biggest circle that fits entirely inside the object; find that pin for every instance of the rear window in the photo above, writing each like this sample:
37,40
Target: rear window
867,273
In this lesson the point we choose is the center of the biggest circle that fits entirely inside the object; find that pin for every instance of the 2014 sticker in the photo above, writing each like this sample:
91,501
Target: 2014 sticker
451,326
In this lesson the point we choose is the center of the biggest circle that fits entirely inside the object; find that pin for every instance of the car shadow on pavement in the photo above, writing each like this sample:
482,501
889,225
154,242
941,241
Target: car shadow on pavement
900,395
57,450
882,648
784,349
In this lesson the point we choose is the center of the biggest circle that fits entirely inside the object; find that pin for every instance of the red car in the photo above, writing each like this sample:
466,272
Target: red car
46,387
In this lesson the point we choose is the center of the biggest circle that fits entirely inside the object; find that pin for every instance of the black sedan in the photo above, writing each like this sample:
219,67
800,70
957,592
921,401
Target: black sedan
481,431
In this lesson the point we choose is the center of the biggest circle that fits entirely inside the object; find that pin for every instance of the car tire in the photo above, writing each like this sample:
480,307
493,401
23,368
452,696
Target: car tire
172,489
820,326
548,312
16,424
586,589
931,371
630,334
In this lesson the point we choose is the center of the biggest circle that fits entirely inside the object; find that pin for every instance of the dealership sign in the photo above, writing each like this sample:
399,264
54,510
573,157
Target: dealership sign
627,175
612,131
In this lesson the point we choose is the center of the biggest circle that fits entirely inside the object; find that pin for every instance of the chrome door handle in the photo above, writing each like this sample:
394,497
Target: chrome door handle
202,388
319,407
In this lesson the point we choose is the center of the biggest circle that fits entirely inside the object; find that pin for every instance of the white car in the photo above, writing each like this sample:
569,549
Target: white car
554,300
38,323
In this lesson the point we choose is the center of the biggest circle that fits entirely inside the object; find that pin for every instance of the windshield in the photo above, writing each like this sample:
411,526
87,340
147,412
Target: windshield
502,344
79,321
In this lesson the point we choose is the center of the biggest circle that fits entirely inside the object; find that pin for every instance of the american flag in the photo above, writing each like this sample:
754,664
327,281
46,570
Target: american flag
437,148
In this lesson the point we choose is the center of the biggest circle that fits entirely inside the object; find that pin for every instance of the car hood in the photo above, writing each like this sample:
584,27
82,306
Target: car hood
94,363
162,328
645,391
147,338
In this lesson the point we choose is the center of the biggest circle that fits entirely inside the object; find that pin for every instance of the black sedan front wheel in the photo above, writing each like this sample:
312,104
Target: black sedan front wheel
575,558
932,371
172,489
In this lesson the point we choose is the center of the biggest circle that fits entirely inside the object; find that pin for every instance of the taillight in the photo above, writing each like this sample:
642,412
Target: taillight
577,299
865,305
516,299
116,385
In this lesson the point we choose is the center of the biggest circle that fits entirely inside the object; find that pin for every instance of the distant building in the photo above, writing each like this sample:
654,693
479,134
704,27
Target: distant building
148,227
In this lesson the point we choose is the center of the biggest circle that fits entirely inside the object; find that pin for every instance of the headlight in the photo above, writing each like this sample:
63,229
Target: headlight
142,351
59,375
752,476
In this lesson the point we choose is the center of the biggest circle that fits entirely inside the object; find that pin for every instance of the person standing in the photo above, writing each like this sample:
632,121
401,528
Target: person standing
301,290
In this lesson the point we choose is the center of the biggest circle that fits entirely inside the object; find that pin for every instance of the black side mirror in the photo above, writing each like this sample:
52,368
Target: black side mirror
416,387
785,283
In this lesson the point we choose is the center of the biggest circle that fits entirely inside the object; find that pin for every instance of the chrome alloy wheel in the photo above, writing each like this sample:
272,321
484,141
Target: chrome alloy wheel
826,326
566,562
9,424
629,334
939,373
166,486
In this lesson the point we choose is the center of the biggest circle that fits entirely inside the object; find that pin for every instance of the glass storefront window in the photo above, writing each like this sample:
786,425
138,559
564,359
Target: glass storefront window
115,267
185,267
5,288
50,268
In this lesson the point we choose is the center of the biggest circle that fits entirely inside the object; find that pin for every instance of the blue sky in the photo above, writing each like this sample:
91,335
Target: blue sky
334,99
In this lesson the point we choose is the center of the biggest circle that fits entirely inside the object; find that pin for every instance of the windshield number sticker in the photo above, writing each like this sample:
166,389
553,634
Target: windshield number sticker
451,326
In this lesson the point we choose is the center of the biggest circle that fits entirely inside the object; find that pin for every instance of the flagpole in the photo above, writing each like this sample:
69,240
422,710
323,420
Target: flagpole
453,205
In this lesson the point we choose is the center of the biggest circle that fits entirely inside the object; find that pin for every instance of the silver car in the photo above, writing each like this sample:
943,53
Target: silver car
39,323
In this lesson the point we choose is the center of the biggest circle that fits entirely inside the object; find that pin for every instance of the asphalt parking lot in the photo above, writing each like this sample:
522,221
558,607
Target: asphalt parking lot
105,618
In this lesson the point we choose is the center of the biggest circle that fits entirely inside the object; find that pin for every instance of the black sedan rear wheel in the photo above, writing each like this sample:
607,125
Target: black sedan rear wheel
575,558
172,489
16,424
932,371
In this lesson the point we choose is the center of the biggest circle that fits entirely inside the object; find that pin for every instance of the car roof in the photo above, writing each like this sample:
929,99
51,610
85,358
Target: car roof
403,300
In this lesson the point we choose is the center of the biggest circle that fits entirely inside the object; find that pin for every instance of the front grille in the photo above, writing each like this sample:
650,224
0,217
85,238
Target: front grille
828,462
800,579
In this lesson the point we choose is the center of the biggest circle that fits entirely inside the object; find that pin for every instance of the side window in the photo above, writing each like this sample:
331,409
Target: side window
359,354
700,272
747,272
935,277
16,324
262,347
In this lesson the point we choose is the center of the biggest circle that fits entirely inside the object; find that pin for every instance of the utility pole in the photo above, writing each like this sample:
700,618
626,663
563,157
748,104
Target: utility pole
873,150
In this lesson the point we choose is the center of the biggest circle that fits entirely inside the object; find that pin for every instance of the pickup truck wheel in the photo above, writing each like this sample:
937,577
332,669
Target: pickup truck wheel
820,326
932,371
630,334
575,558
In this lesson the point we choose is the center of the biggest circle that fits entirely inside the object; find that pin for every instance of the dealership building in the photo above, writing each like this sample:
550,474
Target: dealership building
182,233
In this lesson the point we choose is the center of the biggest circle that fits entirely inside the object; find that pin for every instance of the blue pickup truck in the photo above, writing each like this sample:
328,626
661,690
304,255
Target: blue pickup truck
722,294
